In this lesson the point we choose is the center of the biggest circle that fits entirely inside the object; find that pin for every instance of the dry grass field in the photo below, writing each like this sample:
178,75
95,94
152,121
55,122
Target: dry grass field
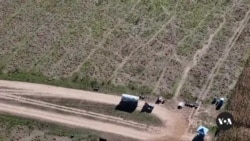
173,48
16,129
188,50
239,107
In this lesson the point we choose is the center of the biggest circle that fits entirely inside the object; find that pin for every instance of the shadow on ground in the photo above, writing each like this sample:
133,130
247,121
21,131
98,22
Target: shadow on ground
129,107
198,138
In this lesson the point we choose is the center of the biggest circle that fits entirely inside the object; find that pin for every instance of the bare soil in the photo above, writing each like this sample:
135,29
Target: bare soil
188,50
172,124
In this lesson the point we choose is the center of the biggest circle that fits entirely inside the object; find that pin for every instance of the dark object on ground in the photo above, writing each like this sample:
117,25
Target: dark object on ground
219,103
96,88
192,105
214,101
148,108
198,137
160,100
101,139
128,103
142,97
180,105
127,106
157,102
216,134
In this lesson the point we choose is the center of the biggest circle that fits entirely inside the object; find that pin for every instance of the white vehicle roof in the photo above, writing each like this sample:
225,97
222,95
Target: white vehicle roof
131,97
222,99
181,104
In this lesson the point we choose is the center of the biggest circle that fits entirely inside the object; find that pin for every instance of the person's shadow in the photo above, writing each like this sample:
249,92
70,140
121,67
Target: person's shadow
198,137
218,106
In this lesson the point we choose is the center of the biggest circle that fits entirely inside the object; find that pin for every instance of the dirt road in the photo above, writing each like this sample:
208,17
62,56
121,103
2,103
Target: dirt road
174,124
72,120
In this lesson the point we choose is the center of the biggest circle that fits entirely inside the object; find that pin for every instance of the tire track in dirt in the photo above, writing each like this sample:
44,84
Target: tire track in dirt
207,86
195,111
194,62
199,24
180,43
32,36
156,86
72,110
126,59
74,121
165,66
220,62
174,124
197,57
92,52
64,56
100,45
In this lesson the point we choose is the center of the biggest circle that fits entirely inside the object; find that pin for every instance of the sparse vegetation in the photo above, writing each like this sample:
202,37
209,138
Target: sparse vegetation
74,82
116,43
188,48
211,74
10,123
239,107
136,116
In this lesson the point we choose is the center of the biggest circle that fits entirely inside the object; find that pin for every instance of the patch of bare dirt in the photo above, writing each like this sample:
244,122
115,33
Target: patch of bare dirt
173,124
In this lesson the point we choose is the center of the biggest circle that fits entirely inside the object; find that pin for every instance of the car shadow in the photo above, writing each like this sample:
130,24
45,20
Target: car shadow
129,107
